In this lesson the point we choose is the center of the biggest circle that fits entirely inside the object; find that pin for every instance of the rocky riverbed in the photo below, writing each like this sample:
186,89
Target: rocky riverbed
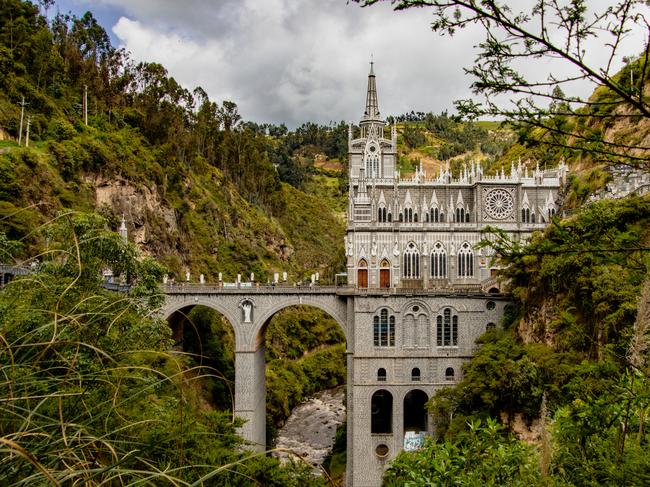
310,430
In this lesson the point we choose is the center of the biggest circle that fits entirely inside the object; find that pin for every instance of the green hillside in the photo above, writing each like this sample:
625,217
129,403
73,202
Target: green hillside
201,190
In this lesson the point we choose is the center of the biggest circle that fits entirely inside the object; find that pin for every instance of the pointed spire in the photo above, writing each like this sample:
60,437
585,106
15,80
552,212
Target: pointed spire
372,106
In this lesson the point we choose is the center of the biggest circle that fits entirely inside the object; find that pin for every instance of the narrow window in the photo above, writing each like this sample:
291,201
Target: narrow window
384,329
465,261
381,375
449,373
415,375
447,329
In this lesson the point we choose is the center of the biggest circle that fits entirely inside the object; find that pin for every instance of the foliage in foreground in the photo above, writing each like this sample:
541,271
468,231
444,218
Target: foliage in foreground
89,392
482,457
580,339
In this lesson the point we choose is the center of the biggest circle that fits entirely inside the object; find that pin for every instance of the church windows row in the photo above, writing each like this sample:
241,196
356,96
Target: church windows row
411,268
415,375
462,216
383,216
465,261
527,216
447,329
435,216
408,216
384,329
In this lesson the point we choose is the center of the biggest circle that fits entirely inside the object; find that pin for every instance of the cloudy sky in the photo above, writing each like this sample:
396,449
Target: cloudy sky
294,61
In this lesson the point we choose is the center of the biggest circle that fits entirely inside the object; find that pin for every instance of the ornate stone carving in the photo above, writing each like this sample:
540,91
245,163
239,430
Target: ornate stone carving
498,204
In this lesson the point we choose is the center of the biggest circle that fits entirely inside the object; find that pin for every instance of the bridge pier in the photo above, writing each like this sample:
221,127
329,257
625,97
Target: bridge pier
250,395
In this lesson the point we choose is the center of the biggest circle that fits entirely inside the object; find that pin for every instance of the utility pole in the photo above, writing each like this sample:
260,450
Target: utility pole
85,107
22,114
29,122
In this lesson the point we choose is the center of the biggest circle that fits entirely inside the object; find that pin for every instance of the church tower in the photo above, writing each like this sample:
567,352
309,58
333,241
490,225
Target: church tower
372,155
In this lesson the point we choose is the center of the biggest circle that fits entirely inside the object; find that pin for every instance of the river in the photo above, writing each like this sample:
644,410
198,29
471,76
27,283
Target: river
311,429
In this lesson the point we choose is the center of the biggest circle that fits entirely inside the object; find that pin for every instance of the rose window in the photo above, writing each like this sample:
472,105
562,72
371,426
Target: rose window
498,204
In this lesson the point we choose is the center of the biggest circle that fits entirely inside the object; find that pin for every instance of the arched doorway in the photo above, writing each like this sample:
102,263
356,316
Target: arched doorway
415,413
362,274
384,274
381,410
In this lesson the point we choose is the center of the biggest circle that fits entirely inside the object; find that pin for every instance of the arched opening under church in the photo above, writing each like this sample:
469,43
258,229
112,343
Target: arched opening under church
306,366
381,412
415,413
207,340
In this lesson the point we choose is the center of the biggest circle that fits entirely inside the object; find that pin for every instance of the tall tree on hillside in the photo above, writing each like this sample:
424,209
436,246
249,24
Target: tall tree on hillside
567,33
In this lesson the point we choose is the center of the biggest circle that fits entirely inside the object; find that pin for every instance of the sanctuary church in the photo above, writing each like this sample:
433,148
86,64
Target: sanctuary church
420,232
421,289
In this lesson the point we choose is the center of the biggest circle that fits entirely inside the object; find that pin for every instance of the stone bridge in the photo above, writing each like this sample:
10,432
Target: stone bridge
249,310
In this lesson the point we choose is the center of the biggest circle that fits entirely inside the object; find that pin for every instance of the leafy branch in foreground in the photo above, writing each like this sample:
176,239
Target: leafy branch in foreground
580,43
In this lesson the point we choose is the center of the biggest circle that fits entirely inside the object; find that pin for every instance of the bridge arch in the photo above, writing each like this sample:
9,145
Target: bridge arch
173,306
336,312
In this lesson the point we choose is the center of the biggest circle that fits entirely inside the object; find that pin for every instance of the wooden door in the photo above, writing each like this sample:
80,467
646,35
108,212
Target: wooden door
363,278
384,278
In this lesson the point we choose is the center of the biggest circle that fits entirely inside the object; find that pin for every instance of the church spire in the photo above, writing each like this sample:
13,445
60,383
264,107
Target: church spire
372,107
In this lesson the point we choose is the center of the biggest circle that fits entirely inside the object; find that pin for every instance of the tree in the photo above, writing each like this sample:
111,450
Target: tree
565,33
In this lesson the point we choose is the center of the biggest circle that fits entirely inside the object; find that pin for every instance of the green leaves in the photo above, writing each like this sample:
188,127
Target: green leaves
483,457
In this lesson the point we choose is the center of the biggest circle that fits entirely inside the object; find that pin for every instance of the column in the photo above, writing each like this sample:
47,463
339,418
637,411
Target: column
250,396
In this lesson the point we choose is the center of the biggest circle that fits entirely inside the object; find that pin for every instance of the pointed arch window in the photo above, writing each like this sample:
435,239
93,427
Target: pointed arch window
411,264
372,166
447,329
525,215
435,214
381,214
438,262
384,329
465,261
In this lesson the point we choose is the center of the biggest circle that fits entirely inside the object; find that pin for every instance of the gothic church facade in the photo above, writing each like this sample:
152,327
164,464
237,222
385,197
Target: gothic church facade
423,289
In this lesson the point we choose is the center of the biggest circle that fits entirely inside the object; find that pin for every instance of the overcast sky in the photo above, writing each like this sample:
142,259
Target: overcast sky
294,61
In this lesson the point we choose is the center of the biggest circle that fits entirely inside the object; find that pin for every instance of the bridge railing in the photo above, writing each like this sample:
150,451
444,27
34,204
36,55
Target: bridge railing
343,290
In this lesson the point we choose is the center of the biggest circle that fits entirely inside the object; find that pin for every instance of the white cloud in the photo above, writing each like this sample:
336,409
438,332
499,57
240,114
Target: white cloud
298,60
